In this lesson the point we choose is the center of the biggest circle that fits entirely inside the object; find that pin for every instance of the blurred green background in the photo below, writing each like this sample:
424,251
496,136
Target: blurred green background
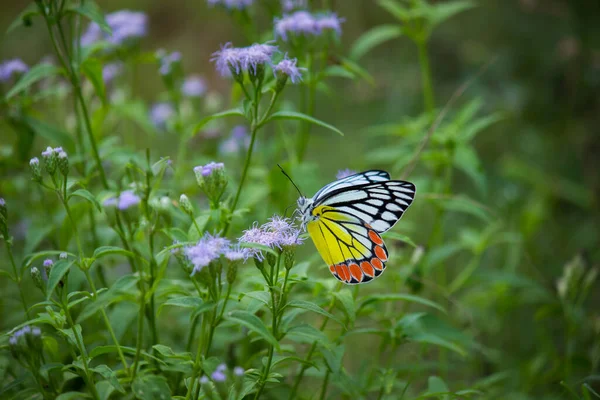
538,178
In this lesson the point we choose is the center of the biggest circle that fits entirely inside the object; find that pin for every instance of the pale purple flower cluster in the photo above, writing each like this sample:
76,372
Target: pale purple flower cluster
220,374
239,139
49,152
231,4
160,113
239,59
288,68
291,5
111,71
193,86
208,169
211,247
278,233
124,24
26,330
125,200
344,173
167,61
303,23
11,67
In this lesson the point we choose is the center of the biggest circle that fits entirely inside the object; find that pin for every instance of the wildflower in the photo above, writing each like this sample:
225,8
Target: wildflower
279,233
51,158
124,201
111,71
160,113
207,249
125,25
218,376
63,163
63,256
287,67
186,205
231,4
11,67
193,86
168,61
212,180
303,23
48,264
236,253
233,60
204,379
239,139
222,367
36,277
238,371
344,173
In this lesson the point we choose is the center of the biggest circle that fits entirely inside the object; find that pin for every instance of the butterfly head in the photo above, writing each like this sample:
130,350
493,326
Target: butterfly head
304,207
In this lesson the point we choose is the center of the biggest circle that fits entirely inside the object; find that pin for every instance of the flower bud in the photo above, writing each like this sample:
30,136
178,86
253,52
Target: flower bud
271,259
212,180
36,276
232,272
289,257
48,263
63,256
36,170
186,205
63,163
50,160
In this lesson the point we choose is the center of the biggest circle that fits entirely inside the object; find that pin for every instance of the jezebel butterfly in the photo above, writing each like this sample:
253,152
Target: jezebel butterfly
346,218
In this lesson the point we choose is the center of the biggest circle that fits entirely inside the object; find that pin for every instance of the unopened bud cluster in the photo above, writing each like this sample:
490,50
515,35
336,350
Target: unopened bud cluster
212,180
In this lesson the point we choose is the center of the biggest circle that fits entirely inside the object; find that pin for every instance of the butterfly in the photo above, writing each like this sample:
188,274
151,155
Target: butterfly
346,218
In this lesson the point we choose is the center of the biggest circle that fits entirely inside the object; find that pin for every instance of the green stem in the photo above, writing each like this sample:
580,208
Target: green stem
325,383
428,97
17,276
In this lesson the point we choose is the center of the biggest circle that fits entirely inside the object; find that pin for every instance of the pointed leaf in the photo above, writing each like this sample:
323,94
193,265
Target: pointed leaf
104,251
301,117
88,196
236,112
59,269
50,132
24,18
306,305
373,38
400,297
253,323
90,9
36,73
345,297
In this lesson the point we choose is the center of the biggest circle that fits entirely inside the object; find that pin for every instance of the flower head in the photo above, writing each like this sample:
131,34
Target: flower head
111,71
208,249
287,67
278,233
208,169
343,173
329,22
218,376
239,139
10,67
193,86
160,113
303,23
124,24
34,161
204,379
236,253
238,371
124,201
167,61
237,60
63,256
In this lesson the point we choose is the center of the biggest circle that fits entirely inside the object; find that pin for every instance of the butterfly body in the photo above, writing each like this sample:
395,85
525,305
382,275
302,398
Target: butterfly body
345,219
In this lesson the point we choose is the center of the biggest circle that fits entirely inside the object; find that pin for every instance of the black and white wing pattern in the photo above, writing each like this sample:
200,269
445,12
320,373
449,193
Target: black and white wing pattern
361,178
380,204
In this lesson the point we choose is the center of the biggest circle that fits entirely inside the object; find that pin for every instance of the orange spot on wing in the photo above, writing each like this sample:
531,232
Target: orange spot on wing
356,272
367,269
346,277
377,263
375,237
332,269
380,253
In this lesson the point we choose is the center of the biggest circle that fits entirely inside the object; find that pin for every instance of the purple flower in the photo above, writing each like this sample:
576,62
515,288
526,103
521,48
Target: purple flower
242,59
63,256
218,376
204,379
288,68
34,161
208,169
48,152
222,367
111,71
2,202
167,62
208,249
236,253
124,24
193,86
231,4
160,113
238,371
303,23
343,173
48,263
279,232
239,139
10,67
125,200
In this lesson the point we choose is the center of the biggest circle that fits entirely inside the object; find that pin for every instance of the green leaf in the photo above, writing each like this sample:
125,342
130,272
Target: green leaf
24,17
74,337
110,376
188,302
73,396
400,237
36,73
88,196
345,297
435,384
430,338
201,220
100,350
373,38
90,9
58,270
253,323
398,11
443,11
301,117
168,352
376,298
259,247
92,68
104,251
334,357
235,112
151,387
50,132
306,305
305,333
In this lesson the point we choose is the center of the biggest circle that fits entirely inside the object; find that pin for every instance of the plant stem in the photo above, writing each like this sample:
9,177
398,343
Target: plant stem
325,383
17,276
428,97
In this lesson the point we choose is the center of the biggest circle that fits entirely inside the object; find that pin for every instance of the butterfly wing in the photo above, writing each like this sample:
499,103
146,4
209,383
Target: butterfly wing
353,250
361,178
379,204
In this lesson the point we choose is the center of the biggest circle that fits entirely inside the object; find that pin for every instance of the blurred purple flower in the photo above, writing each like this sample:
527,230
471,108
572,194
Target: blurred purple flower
111,71
237,4
208,249
218,376
193,86
48,263
206,170
242,59
204,379
239,139
238,371
124,24
125,200
10,67
304,23
160,113
34,161
167,61
288,67
343,173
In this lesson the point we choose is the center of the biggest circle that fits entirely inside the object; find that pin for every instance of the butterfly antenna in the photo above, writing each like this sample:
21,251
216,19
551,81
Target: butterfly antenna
290,179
